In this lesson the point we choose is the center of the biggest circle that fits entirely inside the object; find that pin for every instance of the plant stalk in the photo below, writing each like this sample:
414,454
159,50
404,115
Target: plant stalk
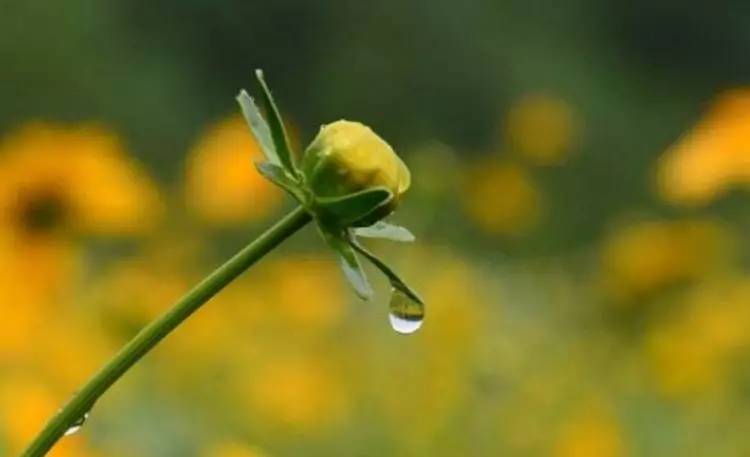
153,333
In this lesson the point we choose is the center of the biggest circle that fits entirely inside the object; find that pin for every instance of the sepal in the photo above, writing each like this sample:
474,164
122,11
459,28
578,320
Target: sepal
281,178
352,209
350,265
386,231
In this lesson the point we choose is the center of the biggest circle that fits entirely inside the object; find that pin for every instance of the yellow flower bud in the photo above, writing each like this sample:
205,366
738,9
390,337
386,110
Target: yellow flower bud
348,157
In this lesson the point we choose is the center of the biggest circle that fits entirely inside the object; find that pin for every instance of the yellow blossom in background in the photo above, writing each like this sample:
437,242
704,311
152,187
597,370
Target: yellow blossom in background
420,382
59,178
233,449
66,366
693,349
500,198
541,128
641,258
455,306
132,292
302,392
713,157
297,297
307,292
593,431
222,185
27,286
36,279
25,405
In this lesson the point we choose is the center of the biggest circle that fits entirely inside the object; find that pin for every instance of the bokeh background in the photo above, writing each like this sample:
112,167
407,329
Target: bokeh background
580,176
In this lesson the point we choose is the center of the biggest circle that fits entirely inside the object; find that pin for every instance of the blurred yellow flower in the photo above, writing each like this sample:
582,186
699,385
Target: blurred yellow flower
692,350
22,309
455,306
500,198
641,258
66,365
222,185
132,292
291,299
422,381
307,291
55,178
297,391
712,157
25,405
233,449
541,128
591,432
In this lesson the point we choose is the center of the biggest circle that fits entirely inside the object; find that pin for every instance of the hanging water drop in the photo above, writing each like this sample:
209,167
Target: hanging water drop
76,426
405,314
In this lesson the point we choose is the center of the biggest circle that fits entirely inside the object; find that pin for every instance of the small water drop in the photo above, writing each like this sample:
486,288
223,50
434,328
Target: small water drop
73,429
406,315
404,326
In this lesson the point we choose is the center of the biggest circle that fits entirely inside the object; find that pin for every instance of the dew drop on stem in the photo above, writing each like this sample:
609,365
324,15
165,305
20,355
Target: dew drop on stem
77,425
405,314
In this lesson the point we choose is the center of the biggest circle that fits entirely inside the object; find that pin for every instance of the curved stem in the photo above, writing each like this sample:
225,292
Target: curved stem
154,332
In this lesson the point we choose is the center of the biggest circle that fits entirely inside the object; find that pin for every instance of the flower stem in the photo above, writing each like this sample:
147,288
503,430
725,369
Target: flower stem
152,334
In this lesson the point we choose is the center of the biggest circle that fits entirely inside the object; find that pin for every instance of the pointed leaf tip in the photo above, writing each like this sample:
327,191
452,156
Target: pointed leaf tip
350,265
258,126
276,126
357,279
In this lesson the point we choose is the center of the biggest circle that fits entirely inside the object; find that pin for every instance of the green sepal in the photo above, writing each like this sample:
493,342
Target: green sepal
258,127
349,264
395,281
276,124
281,178
351,209
386,231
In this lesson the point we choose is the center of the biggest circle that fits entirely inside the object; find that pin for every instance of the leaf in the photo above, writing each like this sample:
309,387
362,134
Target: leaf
385,231
276,124
278,176
395,281
258,126
349,209
350,265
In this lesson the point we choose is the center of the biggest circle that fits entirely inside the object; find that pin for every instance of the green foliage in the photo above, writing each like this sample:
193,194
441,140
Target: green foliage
334,214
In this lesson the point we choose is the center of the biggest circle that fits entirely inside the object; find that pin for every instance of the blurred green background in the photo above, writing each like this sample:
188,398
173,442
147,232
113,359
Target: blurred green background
579,175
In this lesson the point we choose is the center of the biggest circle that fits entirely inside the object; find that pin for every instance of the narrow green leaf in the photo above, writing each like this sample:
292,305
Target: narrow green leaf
385,231
258,126
276,124
281,178
350,265
349,209
395,281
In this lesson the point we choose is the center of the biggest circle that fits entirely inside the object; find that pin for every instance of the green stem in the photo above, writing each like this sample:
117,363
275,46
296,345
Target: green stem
152,334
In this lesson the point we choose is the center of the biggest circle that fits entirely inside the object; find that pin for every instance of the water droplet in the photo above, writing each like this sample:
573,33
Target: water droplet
404,326
77,425
406,315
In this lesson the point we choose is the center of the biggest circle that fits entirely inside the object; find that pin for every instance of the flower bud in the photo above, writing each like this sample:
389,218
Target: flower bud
348,157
